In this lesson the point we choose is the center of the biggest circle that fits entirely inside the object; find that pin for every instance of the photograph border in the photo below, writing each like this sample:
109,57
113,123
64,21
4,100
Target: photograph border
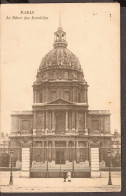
123,102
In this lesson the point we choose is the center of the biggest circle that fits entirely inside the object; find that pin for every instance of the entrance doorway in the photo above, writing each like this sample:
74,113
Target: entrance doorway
60,122
60,152
60,157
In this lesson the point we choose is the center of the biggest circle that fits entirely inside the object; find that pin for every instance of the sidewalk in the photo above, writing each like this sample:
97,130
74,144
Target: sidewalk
57,185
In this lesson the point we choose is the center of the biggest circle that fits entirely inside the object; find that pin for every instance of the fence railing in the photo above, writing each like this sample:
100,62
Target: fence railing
61,158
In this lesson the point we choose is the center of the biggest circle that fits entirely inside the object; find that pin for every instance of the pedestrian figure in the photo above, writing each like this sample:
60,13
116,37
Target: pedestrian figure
64,175
69,176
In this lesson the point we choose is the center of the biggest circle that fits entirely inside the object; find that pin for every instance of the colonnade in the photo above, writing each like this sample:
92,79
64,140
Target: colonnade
48,120
68,146
45,95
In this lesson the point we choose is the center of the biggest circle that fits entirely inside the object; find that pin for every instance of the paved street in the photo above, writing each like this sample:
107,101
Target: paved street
57,185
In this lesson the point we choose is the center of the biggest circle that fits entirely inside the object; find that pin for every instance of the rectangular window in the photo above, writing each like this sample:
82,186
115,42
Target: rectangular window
95,124
25,125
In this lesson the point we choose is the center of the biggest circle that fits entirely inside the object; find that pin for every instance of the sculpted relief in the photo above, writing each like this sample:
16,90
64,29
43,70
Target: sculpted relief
74,76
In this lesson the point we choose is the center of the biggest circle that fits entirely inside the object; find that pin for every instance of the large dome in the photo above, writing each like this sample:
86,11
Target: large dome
60,56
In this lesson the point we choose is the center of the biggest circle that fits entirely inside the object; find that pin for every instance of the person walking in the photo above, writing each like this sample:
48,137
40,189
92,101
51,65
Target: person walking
69,176
64,175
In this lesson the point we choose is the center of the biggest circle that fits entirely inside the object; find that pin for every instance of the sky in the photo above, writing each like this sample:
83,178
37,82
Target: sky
92,34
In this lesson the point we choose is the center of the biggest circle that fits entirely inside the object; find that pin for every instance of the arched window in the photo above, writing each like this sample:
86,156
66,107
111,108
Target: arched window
55,75
65,75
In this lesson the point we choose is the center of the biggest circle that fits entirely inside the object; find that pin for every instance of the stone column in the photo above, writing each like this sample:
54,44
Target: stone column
42,121
73,120
78,152
46,121
50,151
43,157
53,121
76,121
53,147
25,166
45,94
67,150
85,123
95,169
34,123
87,151
66,120
85,96
34,96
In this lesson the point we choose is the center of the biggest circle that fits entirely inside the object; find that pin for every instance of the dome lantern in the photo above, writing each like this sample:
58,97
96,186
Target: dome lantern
60,38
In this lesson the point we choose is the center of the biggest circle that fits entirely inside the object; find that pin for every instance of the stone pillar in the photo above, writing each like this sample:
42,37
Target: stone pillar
46,121
53,147
42,121
87,150
86,97
78,152
67,150
25,166
43,156
50,151
34,96
85,123
76,121
66,120
53,121
47,97
95,168
34,123
73,120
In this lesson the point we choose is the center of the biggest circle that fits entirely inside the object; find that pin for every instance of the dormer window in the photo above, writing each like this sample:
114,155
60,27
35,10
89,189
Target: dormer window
66,75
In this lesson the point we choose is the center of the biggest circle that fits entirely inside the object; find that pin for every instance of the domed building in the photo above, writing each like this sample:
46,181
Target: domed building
60,132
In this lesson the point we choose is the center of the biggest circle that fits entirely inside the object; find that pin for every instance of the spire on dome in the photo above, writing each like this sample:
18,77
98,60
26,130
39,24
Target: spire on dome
60,23
60,36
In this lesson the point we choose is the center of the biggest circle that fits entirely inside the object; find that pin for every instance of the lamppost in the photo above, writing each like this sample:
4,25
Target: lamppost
73,151
47,153
11,174
60,160
110,163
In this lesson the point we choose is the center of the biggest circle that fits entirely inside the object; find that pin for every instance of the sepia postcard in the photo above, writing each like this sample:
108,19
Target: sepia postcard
60,98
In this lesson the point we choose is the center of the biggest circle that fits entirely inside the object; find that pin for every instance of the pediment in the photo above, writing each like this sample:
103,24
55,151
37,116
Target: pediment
60,101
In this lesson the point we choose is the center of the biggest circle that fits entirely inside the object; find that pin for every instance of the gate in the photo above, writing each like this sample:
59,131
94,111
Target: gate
51,162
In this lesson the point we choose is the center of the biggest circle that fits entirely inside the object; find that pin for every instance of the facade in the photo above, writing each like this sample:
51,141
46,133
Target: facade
61,132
